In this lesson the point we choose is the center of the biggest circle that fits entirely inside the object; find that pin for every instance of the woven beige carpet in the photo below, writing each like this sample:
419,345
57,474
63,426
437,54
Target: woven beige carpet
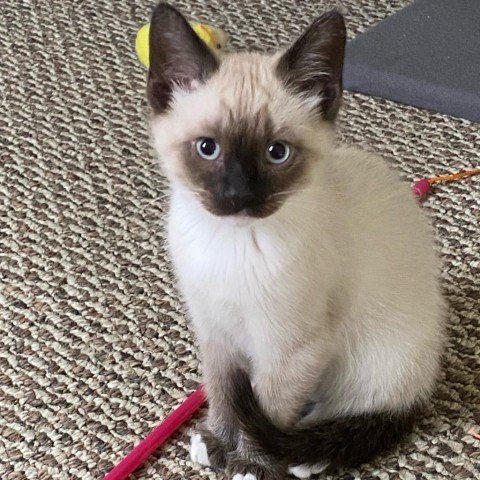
94,347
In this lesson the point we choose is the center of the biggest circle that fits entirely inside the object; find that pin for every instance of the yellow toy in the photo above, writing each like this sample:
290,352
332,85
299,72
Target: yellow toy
214,37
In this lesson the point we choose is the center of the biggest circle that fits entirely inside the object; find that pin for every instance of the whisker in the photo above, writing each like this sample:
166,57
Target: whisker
288,192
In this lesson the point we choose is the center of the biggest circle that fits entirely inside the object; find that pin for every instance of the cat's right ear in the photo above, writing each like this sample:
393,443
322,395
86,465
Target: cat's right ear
178,57
313,65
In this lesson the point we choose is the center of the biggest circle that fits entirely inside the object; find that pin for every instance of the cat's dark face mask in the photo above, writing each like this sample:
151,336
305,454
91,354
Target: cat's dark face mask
243,168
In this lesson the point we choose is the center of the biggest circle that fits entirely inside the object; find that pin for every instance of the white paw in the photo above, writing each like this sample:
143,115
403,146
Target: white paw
306,471
198,450
248,476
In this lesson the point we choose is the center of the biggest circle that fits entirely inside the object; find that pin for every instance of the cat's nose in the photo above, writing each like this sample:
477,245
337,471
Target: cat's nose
239,199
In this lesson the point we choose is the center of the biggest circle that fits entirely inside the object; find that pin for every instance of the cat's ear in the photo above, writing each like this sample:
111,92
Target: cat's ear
178,57
313,65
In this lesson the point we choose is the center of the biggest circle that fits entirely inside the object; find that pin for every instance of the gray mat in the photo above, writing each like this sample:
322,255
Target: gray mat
427,55
94,347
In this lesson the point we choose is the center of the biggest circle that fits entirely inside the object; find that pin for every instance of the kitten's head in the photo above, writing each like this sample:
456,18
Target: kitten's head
242,133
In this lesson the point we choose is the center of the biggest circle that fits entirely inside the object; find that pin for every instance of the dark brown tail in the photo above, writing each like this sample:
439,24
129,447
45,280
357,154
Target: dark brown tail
347,441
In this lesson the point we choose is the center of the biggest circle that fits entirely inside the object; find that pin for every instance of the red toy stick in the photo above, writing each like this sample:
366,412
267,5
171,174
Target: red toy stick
158,436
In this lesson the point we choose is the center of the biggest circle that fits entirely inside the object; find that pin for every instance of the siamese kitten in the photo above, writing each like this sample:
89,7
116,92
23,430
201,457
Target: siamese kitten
308,270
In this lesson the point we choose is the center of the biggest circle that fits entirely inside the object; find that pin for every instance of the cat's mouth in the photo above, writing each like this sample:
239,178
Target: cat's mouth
242,212
252,205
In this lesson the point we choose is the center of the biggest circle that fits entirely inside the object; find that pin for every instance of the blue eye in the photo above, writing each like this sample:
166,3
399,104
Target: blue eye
207,148
278,152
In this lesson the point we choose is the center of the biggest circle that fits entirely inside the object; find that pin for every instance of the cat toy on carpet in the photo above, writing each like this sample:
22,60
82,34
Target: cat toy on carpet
421,187
158,436
214,37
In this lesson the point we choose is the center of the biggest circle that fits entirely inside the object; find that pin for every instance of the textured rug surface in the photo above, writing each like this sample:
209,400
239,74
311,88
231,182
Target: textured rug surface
94,347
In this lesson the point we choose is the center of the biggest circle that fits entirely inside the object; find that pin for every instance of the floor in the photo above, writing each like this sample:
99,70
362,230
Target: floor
94,346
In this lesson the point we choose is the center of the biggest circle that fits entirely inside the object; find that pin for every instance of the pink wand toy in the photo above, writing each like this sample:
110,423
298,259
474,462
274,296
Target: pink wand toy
158,436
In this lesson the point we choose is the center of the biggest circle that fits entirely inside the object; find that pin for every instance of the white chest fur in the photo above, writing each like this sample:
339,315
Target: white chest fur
241,279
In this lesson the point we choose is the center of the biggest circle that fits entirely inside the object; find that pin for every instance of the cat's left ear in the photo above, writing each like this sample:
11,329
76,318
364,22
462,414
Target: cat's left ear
178,57
313,65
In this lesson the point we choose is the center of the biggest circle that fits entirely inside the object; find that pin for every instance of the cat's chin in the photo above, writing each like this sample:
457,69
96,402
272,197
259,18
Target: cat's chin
247,216
244,218
241,219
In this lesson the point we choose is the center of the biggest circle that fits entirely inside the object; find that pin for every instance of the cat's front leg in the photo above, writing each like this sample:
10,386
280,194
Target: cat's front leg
219,443
218,435
283,379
